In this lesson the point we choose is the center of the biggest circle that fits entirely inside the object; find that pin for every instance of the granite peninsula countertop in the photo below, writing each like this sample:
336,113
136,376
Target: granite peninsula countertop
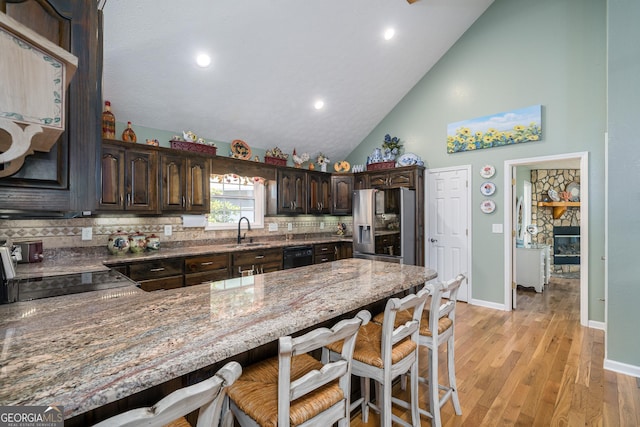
86,350
83,260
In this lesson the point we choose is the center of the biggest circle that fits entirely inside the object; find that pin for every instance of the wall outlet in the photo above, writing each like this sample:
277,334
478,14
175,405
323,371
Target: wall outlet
168,229
289,226
322,225
273,226
87,233
496,228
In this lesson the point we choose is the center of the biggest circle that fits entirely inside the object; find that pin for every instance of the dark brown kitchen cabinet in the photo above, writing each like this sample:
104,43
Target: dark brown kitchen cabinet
324,252
319,193
128,179
341,197
63,179
257,261
392,178
388,244
206,268
158,274
344,250
360,181
291,191
184,183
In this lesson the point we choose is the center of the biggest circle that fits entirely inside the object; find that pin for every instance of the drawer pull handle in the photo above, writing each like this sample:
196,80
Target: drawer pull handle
325,249
260,257
206,263
155,270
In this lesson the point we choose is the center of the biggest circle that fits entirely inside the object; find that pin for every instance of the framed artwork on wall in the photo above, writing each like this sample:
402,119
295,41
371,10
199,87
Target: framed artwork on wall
496,130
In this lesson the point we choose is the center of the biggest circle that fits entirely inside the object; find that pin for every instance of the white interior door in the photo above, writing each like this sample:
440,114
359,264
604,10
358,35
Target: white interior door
448,225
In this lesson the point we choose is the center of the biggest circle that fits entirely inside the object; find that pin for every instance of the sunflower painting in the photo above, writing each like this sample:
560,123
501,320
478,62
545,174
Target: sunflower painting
497,130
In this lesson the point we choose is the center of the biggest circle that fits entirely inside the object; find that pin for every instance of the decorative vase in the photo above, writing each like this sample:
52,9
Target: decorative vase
153,242
108,122
118,243
128,135
323,167
137,242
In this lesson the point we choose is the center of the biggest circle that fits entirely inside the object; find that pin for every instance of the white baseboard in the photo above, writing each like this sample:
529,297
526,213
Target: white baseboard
622,368
596,325
487,304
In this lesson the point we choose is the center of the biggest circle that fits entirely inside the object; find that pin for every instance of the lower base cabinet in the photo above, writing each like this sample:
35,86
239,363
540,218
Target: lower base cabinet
324,252
256,262
206,268
170,273
344,250
158,274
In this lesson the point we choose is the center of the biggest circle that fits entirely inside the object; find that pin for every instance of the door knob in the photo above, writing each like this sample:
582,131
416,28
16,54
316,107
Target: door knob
433,240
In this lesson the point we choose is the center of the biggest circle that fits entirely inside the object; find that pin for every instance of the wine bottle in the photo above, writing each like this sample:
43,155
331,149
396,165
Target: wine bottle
108,122
128,135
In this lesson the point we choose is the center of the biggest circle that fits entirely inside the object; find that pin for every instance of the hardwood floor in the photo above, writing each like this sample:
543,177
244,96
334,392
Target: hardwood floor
535,366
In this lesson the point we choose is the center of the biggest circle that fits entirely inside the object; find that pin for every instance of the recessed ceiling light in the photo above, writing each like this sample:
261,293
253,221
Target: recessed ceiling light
203,60
389,33
319,105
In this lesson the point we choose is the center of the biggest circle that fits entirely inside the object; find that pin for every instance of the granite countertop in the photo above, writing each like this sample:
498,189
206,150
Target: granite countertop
86,350
84,260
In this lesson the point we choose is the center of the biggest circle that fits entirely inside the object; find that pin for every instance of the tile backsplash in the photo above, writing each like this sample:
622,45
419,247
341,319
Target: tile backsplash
67,233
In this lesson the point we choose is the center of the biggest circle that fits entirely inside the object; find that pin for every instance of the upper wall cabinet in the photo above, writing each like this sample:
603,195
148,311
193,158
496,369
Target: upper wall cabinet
341,198
62,179
184,183
128,179
319,189
392,178
291,191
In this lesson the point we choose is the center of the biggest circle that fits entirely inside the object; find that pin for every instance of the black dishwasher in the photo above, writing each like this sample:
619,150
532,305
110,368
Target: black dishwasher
297,256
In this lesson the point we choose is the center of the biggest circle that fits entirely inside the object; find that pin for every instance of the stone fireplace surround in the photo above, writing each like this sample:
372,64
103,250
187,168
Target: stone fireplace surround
542,180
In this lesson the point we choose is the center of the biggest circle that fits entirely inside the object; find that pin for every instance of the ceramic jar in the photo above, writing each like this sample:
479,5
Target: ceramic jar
153,242
118,243
137,242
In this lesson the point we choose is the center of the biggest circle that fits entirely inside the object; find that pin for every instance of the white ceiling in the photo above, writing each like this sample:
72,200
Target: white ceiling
271,59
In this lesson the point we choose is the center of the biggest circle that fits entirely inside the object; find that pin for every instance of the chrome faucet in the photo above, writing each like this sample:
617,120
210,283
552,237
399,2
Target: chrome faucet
248,228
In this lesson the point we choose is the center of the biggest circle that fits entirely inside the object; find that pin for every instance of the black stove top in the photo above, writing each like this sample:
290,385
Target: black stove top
53,286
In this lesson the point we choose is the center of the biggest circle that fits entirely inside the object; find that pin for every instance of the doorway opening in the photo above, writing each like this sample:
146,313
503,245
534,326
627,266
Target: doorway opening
562,161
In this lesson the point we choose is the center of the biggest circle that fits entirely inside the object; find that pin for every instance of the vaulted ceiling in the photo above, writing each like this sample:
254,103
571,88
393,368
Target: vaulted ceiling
271,61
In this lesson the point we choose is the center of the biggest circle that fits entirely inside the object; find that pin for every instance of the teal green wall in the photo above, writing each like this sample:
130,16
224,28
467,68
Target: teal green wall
623,316
518,53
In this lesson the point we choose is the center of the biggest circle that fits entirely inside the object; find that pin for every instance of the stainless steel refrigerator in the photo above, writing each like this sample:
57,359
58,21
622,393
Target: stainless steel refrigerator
384,225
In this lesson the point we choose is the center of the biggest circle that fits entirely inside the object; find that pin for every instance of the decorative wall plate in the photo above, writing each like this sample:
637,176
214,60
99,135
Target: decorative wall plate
240,149
487,171
488,188
488,206
573,188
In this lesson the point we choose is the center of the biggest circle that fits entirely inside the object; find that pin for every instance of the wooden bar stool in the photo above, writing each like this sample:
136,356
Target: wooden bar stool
294,388
207,396
436,328
384,352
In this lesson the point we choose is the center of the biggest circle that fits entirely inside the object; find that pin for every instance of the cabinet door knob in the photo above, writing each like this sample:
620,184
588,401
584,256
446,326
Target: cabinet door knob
433,240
